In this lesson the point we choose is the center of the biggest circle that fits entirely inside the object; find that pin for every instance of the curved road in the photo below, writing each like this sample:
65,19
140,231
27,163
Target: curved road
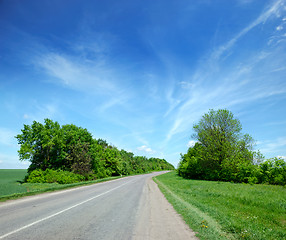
109,210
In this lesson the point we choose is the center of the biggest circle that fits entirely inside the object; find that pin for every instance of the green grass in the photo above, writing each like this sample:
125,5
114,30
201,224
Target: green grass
10,181
222,210
11,186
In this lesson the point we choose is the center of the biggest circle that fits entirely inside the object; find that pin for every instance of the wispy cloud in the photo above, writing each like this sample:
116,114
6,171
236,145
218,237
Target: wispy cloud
274,10
70,72
38,111
173,102
237,84
273,146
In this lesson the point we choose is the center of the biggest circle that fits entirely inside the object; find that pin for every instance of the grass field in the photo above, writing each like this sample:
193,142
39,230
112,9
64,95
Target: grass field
10,181
222,210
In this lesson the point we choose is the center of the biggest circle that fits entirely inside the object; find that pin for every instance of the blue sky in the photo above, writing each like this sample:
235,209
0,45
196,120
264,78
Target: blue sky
139,74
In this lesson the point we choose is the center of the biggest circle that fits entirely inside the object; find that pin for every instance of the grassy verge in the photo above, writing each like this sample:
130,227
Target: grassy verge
12,188
221,210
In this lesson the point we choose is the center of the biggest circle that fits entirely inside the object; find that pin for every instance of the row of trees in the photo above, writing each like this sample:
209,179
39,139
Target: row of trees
71,148
223,153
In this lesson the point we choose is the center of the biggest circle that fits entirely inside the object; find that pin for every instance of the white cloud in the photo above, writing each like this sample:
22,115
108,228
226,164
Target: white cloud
225,89
146,149
191,143
71,72
272,10
272,147
120,99
279,28
92,76
173,102
283,157
39,112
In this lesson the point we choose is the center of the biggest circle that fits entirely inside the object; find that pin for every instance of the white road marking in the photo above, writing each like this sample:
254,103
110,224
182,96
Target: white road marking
60,212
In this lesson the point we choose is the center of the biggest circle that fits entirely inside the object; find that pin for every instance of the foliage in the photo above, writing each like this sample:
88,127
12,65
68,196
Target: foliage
54,176
69,148
272,171
223,153
229,210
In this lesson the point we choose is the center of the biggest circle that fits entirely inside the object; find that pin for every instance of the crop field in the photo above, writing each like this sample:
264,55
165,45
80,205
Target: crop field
10,181
224,210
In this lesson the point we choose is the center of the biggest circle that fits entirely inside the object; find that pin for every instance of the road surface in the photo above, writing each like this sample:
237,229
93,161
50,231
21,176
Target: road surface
126,208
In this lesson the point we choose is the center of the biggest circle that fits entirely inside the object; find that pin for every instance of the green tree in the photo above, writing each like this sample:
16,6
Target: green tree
70,148
80,159
76,140
223,146
190,164
41,144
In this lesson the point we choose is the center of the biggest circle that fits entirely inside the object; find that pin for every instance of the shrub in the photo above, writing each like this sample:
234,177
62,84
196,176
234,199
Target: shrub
54,176
273,171
36,176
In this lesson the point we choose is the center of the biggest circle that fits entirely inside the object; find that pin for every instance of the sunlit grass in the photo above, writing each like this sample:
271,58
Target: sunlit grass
222,210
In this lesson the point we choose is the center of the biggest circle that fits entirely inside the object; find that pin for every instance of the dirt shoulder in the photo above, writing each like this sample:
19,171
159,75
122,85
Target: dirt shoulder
157,218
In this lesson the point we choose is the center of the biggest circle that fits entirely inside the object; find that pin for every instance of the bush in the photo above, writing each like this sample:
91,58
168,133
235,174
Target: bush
36,176
54,176
273,171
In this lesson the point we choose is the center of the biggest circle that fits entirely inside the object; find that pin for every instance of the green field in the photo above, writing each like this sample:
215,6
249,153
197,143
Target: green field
223,210
10,181
11,185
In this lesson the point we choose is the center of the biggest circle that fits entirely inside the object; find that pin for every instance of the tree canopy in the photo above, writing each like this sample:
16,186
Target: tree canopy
71,148
223,146
223,152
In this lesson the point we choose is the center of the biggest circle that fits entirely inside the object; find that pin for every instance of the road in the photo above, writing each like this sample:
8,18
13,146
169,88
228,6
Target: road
126,208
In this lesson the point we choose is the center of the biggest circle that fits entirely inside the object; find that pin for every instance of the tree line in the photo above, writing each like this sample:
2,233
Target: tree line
223,153
72,149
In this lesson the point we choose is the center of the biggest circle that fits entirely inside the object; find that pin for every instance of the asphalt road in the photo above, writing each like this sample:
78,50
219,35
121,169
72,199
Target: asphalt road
106,210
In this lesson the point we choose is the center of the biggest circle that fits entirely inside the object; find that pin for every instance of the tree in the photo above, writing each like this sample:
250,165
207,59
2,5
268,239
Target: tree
41,144
80,159
190,164
51,146
222,145
72,149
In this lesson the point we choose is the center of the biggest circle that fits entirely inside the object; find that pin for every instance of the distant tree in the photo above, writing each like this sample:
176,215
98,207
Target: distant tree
222,147
69,148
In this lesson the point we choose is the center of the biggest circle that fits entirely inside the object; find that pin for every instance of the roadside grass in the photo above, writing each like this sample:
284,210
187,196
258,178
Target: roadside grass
11,186
223,210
